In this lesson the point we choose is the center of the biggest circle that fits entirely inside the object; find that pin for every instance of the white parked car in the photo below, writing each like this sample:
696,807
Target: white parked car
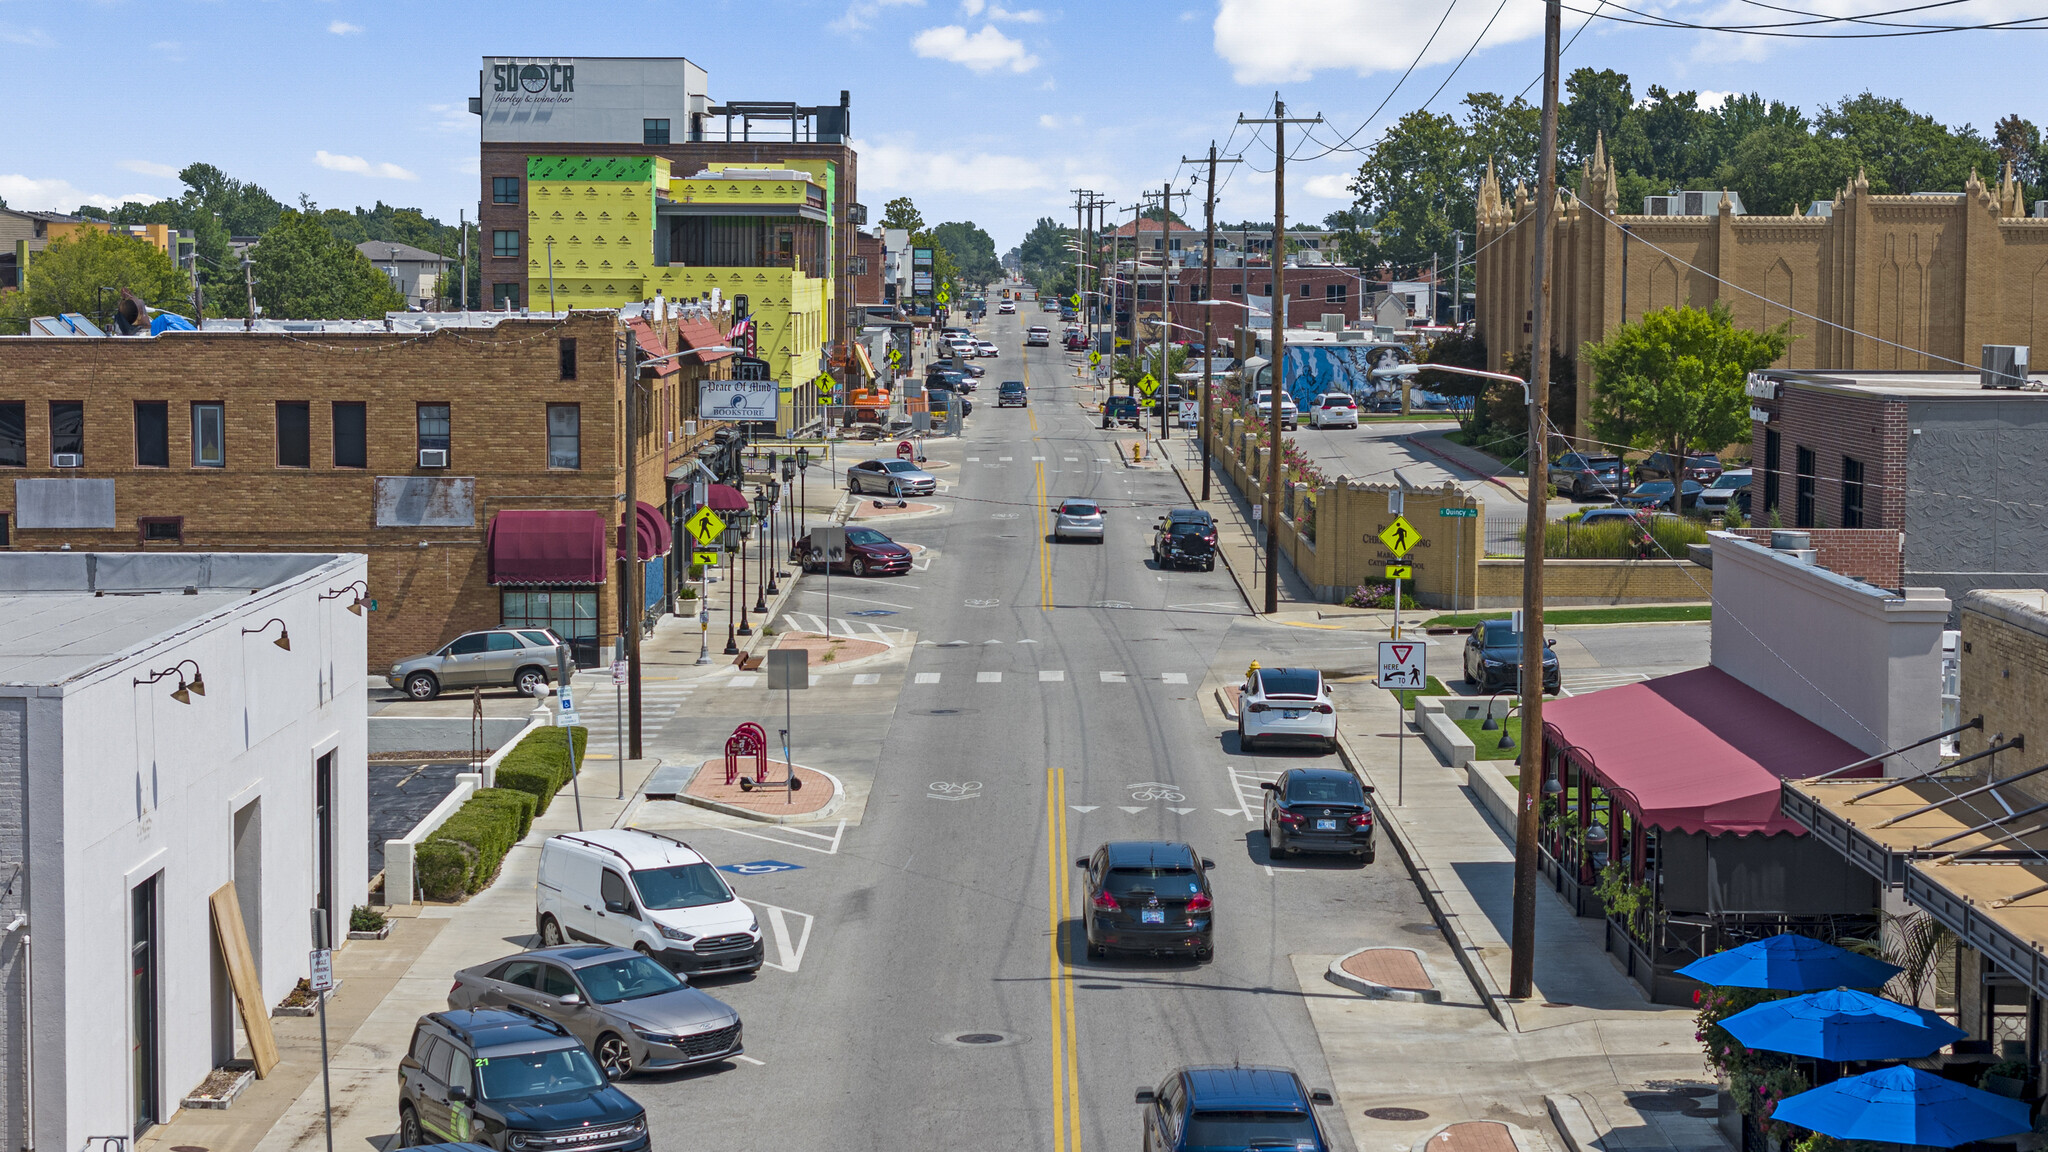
964,347
1290,417
1333,410
1286,705
643,890
986,347
1039,336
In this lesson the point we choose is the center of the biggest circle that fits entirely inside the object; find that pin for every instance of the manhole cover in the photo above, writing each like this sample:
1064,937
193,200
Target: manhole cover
983,603
872,612
1399,1115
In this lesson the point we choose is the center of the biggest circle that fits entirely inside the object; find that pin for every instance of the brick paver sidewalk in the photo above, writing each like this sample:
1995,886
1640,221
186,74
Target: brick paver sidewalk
816,793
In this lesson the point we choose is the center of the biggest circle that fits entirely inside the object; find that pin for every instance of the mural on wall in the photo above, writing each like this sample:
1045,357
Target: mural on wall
1313,369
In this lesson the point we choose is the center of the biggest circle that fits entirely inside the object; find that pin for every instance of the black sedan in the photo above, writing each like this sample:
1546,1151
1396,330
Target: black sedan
868,553
1149,896
1318,810
1493,658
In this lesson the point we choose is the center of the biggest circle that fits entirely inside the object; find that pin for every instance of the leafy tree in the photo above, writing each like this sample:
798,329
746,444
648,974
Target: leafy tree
1778,170
73,273
2019,143
1673,379
1903,151
303,272
1596,103
1506,133
972,251
1407,186
1045,258
1157,213
902,213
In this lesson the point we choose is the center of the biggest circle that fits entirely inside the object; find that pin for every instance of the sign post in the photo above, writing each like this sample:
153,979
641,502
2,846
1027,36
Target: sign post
1403,665
321,980
565,667
788,669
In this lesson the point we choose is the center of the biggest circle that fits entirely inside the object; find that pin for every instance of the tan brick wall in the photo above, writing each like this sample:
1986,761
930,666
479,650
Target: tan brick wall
2005,680
1593,582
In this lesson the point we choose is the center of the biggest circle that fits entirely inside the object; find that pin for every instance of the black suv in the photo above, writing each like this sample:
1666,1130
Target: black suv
512,1081
1576,474
1185,537
1148,896
1705,467
1012,392
1493,659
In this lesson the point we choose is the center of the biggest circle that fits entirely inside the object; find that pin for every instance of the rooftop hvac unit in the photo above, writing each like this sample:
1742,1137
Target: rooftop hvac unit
1656,205
1333,321
2040,209
2003,366
1695,203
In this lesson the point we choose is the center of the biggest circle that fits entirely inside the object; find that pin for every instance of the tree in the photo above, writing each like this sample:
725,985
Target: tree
1597,101
902,213
1903,151
971,249
75,272
1506,133
2018,143
1406,187
303,272
1777,170
1673,379
1157,213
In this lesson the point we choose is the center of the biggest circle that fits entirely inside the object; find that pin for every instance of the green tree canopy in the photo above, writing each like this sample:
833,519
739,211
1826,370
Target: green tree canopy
304,272
74,273
1045,258
1673,379
971,249
902,213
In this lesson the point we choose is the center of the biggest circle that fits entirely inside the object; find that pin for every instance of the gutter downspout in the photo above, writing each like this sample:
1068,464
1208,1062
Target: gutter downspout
28,1033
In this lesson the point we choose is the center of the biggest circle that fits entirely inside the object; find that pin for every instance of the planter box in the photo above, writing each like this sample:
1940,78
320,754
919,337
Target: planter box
220,1088
290,1010
379,934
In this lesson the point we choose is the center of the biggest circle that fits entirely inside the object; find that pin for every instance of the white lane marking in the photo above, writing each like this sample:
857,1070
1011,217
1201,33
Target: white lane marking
743,682
791,956
1084,809
1251,797
1051,677
1173,677
1072,459
1180,811
988,677
1038,457
751,1060
1230,811
1114,678
1004,459
927,677
863,678
1132,811
974,459
832,841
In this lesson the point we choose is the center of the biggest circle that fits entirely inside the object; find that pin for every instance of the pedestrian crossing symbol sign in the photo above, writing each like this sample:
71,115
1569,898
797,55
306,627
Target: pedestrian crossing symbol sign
705,525
1399,536
824,383
1147,385
1094,359
1075,299
895,357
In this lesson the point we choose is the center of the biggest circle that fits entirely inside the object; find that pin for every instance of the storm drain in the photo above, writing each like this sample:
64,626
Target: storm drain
976,1039
1397,1115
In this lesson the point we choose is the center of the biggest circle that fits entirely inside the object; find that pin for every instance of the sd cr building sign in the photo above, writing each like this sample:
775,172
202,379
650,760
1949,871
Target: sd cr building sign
532,78
737,399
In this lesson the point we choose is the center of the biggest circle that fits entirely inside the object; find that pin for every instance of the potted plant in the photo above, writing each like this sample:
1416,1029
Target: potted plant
366,923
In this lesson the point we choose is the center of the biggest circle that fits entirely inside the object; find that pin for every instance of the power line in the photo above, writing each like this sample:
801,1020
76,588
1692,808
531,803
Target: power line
1344,144
1467,56
1574,40
1650,20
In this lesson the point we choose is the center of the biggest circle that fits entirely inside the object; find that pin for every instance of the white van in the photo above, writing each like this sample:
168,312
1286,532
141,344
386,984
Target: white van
643,890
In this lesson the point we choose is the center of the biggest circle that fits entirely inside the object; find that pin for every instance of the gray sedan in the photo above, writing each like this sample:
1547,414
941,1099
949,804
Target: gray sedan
897,478
1079,519
629,1010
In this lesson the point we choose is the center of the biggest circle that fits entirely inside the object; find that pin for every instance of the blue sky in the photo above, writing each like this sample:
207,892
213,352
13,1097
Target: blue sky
977,110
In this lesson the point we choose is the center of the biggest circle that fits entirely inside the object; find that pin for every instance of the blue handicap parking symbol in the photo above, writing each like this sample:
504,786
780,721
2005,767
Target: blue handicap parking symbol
759,868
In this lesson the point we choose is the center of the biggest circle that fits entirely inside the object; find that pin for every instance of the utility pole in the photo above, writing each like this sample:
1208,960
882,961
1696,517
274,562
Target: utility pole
1457,277
1279,323
630,593
462,277
1522,957
249,282
1208,306
1166,195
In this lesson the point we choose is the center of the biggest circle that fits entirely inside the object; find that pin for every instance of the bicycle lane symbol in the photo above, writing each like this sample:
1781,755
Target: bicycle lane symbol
952,790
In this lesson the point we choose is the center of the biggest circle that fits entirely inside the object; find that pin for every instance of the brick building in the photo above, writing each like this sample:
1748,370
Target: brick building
1937,458
1916,282
869,260
468,457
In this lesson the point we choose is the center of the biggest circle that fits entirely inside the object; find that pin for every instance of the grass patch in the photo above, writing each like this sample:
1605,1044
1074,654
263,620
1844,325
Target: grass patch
1646,614
1406,696
1486,745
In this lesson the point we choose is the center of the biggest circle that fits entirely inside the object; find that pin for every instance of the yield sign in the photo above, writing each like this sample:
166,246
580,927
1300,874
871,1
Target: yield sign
705,525
1399,536
1403,664
1147,385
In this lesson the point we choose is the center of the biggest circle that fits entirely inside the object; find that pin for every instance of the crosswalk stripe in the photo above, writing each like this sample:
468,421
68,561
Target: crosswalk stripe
743,682
867,678
1173,677
1113,678
988,677
1051,677
927,677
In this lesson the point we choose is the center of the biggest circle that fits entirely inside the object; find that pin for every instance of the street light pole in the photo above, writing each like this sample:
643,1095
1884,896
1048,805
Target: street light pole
630,593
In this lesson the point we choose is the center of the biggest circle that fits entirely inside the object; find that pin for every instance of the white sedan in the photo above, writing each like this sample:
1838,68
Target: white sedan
1286,705
985,347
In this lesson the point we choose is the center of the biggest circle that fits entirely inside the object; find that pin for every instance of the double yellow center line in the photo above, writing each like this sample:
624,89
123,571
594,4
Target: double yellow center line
1066,1077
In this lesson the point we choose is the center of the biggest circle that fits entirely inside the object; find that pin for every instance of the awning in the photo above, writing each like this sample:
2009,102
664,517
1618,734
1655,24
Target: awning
651,528
539,546
1699,751
726,498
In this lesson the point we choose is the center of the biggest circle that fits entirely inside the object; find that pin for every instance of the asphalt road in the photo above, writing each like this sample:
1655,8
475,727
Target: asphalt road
1042,699
1373,452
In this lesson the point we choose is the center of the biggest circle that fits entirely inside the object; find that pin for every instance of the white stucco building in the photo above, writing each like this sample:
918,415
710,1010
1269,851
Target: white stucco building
157,743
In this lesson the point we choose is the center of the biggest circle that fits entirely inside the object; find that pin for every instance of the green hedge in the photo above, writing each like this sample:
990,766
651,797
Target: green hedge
539,766
462,855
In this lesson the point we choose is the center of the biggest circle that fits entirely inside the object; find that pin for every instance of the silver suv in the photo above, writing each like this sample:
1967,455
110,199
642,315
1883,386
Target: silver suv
522,658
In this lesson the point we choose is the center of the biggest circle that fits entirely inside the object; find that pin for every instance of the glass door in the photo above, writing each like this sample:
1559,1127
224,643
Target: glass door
145,1055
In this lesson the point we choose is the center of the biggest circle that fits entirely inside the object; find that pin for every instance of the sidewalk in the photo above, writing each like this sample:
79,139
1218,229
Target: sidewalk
1588,1049
1239,540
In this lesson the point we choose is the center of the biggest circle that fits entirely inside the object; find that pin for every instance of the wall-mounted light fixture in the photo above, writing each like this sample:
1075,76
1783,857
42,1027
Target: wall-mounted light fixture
284,634
361,590
186,688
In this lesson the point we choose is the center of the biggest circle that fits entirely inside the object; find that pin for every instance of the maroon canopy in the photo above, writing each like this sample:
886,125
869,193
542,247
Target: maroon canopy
652,530
543,546
726,498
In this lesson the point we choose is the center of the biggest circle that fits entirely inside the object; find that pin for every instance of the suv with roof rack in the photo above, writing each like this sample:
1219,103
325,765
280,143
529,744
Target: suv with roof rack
513,1082
645,891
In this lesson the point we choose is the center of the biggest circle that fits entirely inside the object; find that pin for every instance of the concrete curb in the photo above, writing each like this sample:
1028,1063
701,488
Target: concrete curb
1568,1114
1489,477
1237,580
1223,702
1371,991
1482,980
831,806
1521,1136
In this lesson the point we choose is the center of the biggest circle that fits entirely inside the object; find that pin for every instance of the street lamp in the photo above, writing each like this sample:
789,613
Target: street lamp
764,509
788,485
803,467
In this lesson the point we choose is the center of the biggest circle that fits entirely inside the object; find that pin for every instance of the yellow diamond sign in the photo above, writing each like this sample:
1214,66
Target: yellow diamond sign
1094,358
1147,385
1075,299
705,525
1399,536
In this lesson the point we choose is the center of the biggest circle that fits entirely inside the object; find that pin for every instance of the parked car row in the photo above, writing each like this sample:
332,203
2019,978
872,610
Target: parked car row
1695,481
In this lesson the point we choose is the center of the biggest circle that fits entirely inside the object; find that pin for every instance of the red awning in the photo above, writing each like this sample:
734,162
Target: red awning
726,498
702,334
651,346
652,531
538,546
1700,750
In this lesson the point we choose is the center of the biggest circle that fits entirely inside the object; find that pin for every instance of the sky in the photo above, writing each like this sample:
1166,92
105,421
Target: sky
975,110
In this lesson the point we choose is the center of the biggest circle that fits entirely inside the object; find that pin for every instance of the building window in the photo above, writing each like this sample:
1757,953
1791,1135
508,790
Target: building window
1304,291
209,436
654,131
565,436
504,189
294,434
571,612
568,359
5,540
152,434
1237,289
67,428
13,435
1852,492
1198,292
505,243
504,297
1172,293
1770,471
1802,489
1333,293
351,435
433,422
160,529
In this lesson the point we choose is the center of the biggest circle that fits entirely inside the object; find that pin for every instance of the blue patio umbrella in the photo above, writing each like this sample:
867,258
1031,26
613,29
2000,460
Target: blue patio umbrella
1792,964
1842,1024
1902,1105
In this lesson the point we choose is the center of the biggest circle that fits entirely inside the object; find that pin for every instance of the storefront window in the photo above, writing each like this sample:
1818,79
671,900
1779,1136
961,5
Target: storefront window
571,612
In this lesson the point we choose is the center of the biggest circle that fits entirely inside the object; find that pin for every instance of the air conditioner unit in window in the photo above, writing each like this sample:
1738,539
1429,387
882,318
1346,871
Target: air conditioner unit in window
433,457
66,460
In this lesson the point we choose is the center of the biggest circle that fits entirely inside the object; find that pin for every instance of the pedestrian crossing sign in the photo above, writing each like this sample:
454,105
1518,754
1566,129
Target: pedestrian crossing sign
1399,537
707,559
705,525
895,357
824,383
1400,572
1075,299
1147,385
1094,358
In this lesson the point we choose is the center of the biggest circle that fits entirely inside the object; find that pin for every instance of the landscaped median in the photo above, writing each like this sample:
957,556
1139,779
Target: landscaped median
462,856
703,785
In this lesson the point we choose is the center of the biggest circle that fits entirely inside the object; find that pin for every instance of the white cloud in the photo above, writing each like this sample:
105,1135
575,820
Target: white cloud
26,37
1271,41
998,13
452,117
861,14
59,196
1711,99
148,168
890,167
1048,120
983,51
344,28
360,166
1329,186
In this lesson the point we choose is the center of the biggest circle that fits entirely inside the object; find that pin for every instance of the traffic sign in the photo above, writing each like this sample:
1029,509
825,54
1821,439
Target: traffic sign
705,558
1148,402
1457,512
1075,299
322,975
944,295
568,718
1190,413
1399,536
1400,572
1094,358
824,383
1147,385
895,357
1403,664
618,671
705,525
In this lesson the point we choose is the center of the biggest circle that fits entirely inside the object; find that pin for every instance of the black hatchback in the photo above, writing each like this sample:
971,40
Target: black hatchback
1148,896
513,1081
1318,810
